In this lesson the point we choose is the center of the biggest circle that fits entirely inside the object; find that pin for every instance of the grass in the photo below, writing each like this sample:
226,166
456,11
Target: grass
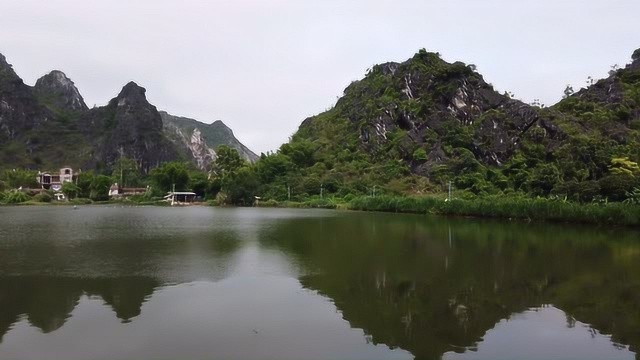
506,207
314,202
83,201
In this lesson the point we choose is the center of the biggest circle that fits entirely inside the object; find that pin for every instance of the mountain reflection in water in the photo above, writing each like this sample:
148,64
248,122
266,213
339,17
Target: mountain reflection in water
266,283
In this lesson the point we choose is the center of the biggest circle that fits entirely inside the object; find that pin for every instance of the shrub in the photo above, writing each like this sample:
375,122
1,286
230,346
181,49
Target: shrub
587,190
80,201
15,197
633,197
269,203
420,155
615,187
321,203
43,197
348,197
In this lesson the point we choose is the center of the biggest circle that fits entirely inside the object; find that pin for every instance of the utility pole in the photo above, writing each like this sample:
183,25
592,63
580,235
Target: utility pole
121,172
321,191
289,192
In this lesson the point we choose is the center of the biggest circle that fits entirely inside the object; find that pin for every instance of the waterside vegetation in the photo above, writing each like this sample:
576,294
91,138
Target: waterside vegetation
233,181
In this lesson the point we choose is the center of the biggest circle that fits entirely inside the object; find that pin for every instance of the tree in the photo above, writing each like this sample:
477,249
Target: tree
227,162
170,174
238,180
225,167
21,178
614,69
70,190
100,188
300,152
199,183
84,181
273,166
126,171
568,91
242,190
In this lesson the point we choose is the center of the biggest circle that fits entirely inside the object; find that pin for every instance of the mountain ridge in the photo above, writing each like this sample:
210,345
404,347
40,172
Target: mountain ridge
56,89
49,124
443,122
413,127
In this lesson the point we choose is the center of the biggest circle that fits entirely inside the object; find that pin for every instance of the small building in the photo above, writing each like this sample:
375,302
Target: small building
180,197
116,191
133,191
54,180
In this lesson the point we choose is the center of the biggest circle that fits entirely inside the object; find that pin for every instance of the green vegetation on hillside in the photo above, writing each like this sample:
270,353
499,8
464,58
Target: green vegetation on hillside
400,131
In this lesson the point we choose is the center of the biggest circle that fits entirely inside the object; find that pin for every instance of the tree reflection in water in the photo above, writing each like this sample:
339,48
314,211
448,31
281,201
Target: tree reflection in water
432,286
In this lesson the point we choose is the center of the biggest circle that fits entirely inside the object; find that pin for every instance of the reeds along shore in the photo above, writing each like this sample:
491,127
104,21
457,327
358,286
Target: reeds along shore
491,207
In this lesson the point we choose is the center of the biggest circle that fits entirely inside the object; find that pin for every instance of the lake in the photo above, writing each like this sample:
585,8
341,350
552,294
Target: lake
111,282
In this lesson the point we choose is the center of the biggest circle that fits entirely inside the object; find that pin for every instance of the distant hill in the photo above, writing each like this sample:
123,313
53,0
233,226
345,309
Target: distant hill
49,125
200,139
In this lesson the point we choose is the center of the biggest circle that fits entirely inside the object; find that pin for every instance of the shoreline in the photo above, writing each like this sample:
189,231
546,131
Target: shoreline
523,209
497,207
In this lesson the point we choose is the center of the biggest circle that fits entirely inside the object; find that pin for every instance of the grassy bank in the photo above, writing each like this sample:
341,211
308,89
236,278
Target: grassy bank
313,203
505,207
34,202
490,207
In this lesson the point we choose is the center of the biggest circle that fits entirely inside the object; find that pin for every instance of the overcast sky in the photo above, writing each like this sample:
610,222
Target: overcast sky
263,66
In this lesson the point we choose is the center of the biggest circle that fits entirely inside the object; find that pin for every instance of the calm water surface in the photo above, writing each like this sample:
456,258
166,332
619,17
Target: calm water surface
202,283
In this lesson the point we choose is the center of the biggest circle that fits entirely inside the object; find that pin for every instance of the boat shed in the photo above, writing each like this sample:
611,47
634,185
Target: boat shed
180,197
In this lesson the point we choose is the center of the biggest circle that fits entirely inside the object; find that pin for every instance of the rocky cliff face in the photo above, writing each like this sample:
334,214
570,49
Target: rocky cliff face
424,103
129,126
49,125
19,109
200,139
443,120
58,91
